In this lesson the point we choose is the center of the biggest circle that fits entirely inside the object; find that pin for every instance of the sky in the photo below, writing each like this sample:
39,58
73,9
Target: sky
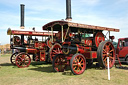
106,13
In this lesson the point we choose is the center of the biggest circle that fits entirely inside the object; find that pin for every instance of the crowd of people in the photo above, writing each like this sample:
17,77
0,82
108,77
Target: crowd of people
5,51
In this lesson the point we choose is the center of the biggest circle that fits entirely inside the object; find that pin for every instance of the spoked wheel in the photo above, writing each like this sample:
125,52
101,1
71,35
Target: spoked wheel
59,63
98,37
78,64
106,49
13,58
23,60
56,49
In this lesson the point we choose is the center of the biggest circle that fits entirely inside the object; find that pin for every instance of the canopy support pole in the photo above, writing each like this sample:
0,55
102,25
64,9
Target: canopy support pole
66,33
52,33
62,33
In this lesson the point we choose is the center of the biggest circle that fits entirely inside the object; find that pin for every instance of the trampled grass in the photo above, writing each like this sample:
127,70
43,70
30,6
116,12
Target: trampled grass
40,73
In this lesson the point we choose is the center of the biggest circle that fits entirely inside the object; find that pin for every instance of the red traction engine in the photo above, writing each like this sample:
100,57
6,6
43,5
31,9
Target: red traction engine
75,49
37,47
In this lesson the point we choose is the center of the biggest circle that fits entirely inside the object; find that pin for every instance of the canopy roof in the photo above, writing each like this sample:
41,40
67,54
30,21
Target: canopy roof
24,32
56,25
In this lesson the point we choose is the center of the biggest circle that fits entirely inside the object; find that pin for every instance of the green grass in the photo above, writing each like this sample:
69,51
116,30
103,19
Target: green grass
5,55
40,73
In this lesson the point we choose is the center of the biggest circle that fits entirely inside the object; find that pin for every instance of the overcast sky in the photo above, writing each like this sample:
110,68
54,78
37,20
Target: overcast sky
106,13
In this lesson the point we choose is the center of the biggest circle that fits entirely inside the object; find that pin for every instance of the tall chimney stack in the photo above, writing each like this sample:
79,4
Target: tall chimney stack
68,10
22,16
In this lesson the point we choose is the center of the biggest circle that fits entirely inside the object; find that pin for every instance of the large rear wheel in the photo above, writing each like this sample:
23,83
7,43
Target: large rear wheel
78,64
106,49
23,60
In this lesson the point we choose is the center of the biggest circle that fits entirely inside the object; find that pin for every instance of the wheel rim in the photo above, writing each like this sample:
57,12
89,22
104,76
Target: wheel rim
56,49
13,58
78,64
60,63
108,51
99,37
23,60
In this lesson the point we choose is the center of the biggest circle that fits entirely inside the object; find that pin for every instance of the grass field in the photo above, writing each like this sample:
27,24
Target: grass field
40,73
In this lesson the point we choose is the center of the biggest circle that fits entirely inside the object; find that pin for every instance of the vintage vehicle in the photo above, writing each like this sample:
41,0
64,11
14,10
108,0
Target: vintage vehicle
122,50
72,48
28,43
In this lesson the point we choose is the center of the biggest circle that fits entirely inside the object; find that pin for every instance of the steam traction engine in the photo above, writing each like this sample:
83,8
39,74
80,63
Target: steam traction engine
23,42
73,47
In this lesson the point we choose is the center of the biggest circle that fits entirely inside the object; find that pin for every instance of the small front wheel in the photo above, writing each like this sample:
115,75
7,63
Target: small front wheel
59,63
78,64
23,60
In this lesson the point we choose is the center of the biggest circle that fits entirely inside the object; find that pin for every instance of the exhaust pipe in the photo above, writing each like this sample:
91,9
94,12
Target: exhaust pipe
68,10
22,16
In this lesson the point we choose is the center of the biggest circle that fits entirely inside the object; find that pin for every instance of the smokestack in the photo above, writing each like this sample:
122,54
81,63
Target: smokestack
68,10
22,16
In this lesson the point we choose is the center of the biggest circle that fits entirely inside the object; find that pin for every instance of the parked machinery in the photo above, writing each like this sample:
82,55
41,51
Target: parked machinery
73,48
28,43
122,50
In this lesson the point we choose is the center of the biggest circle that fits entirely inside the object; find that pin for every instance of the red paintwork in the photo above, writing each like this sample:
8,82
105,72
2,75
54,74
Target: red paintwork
90,54
80,48
88,43
99,37
15,32
94,54
40,45
32,33
69,43
42,55
31,50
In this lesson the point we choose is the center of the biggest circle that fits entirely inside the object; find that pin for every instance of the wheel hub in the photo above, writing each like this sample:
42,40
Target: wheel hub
107,54
79,64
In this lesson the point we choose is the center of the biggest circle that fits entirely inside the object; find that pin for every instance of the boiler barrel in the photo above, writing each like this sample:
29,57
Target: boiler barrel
21,49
